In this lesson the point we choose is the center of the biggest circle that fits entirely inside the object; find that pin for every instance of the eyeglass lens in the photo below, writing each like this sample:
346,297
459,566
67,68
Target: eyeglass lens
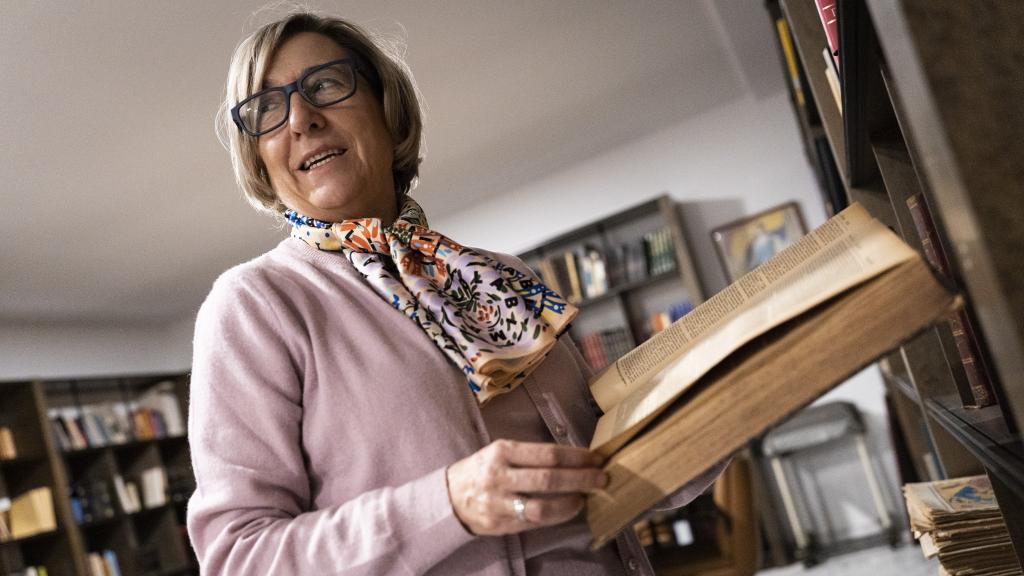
321,87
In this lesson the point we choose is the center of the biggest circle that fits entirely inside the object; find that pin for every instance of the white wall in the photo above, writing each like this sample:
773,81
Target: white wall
743,157
49,351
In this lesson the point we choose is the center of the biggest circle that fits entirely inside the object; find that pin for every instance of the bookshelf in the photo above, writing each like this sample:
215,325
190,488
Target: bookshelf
646,277
95,523
927,114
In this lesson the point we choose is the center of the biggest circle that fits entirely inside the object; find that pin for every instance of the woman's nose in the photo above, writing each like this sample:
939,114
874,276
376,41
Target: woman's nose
303,116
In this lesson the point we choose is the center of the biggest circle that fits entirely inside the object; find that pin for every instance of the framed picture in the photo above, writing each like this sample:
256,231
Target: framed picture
745,244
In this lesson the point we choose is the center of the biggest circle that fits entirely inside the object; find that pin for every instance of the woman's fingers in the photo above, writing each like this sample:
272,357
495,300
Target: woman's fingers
537,455
554,480
548,480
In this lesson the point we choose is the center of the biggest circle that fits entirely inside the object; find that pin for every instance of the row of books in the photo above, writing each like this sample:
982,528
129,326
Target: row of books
589,272
153,415
8,450
832,191
27,514
600,349
576,274
104,563
959,522
93,500
659,252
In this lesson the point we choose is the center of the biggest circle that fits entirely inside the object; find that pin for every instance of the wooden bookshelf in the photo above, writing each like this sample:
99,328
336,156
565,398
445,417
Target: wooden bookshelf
626,303
146,542
928,112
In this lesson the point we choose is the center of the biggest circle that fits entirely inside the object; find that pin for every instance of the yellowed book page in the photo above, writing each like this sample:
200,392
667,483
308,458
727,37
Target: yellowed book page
643,362
845,251
928,547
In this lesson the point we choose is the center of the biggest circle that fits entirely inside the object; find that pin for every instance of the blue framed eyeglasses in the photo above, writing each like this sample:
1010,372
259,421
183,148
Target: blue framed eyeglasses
321,86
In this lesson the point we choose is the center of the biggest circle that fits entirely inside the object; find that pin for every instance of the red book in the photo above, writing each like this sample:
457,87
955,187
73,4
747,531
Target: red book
593,351
959,321
829,14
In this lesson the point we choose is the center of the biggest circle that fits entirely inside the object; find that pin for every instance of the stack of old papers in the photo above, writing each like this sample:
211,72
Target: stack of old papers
959,521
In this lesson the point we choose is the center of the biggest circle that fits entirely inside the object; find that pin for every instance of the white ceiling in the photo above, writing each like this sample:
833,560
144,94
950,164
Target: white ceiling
118,200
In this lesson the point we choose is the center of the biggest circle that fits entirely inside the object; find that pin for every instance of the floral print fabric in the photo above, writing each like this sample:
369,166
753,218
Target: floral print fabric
495,322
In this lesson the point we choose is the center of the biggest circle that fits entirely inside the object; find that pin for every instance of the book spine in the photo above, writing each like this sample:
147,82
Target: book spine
833,80
959,321
790,55
963,335
8,449
574,278
829,15
112,565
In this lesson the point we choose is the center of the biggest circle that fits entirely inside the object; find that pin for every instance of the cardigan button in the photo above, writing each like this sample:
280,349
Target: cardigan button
560,431
633,565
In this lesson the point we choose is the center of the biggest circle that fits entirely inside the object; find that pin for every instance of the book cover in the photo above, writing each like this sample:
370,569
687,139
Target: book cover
154,487
32,513
789,54
8,449
60,433
162,399
829,15
112,565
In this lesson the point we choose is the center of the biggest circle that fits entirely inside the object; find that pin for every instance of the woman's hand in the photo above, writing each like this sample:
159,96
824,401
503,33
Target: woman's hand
549,479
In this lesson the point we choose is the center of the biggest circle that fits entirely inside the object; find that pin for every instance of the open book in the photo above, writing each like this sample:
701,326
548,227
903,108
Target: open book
756,352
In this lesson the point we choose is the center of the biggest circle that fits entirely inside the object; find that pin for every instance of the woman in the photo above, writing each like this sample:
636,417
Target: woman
333,428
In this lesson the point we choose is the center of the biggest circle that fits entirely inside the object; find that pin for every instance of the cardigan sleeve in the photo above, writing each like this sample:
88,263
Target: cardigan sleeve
251,511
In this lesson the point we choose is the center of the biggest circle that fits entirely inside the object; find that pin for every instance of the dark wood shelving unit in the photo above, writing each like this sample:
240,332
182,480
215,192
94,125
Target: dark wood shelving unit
927,112
150,535
658,213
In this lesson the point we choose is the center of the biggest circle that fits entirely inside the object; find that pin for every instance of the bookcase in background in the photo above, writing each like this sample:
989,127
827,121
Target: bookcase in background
630,274
929,128
88,443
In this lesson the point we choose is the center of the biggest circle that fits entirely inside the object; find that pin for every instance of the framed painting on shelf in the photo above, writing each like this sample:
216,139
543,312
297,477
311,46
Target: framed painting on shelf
744,244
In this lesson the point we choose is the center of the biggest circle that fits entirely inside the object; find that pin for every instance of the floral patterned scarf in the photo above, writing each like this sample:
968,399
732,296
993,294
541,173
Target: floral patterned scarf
494,321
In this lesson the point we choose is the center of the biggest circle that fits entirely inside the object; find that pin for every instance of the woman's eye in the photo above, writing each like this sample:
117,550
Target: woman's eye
266,106
325,84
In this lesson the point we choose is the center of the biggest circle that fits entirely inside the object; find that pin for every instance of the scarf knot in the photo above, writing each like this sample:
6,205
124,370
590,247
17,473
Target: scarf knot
496,322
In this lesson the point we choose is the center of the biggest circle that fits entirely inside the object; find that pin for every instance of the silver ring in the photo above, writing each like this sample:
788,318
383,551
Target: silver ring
519,506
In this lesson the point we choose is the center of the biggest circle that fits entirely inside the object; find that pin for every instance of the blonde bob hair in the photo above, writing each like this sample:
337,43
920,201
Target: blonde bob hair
388,75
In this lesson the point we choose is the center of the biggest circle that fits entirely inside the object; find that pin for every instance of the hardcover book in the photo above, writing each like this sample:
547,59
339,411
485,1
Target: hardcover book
752,355
829,14
981,393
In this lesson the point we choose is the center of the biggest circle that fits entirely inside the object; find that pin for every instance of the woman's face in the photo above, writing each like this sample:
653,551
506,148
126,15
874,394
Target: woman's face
356,182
